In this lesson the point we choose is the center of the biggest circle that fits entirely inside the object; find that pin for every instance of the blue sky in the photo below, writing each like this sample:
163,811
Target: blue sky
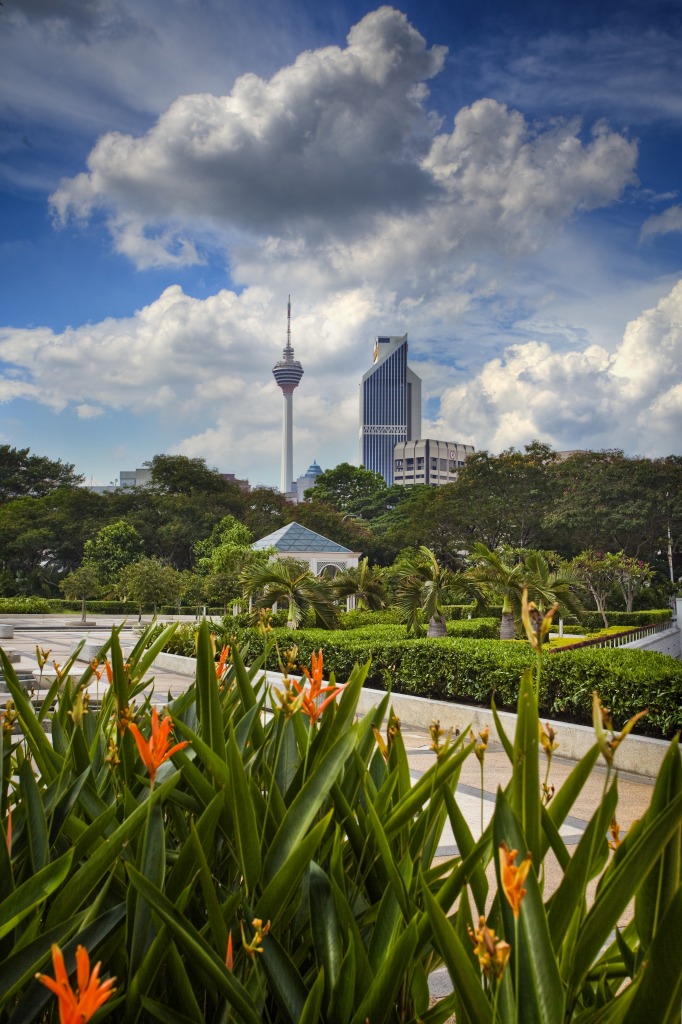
500,181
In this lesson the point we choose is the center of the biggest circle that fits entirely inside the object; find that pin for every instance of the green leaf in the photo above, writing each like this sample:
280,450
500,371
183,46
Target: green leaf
286,984
153,867
341,1002
540,995
47,759
208,699
465,979
197,948
214,762
465,845
619,883
160,1011
283,887
501,734
27,897
325,928
310,1013
569,897
35,817
525,783
428,785
659,994
379,1002
300,815
246,837
662,882
83,881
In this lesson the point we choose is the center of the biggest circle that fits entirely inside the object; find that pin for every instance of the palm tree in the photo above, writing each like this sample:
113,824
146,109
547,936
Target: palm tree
286,580
363,583
497,578
423,587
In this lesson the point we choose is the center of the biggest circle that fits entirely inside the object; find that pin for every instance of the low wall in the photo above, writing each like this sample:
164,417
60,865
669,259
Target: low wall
668,642
641,755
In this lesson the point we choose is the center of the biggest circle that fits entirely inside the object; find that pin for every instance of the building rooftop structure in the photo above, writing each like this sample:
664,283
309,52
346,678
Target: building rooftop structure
294,538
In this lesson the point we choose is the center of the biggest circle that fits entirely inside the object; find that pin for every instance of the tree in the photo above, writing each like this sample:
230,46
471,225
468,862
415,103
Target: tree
149,581
492,575
347,488
115,547
26,475
423,587
363,583
179,474
599,573
82,584
286,580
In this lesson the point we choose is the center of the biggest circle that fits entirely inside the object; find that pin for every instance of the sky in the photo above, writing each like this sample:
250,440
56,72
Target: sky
500,181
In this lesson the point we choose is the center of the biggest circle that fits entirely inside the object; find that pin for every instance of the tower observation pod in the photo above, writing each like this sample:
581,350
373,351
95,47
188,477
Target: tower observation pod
287,371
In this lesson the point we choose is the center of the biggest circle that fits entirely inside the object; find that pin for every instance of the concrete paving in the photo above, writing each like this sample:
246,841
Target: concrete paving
60,637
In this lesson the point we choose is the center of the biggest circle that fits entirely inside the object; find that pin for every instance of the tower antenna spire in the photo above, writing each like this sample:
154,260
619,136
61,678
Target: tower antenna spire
287,373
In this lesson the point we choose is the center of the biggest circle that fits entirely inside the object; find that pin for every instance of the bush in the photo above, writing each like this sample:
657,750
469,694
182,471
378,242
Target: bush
361,617
103,607
472,671
28,605
593,620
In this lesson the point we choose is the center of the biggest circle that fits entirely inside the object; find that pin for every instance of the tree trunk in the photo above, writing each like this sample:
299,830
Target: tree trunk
507,631
83,619
437,627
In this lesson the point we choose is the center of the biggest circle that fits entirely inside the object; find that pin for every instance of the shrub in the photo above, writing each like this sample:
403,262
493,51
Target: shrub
21,605
593,620
283,868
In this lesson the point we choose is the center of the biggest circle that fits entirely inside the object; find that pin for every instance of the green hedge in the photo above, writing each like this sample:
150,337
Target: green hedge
593,620
21,605
103,607
472,670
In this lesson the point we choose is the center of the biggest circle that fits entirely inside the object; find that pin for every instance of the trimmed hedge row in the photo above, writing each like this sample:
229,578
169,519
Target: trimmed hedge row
472,671
593,620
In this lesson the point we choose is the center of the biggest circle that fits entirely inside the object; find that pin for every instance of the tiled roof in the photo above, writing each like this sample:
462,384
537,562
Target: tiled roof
294,537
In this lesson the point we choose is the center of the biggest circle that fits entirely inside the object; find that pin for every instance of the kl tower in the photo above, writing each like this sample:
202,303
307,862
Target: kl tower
288,372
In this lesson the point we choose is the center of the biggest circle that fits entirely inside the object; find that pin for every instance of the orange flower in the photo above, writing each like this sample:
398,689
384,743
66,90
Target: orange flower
513,877
493,953
154,751
109,671
79,1006
8,832
314,690
229,958
221,667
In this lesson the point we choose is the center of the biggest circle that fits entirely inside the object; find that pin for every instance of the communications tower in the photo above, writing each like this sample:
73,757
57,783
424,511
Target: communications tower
287,372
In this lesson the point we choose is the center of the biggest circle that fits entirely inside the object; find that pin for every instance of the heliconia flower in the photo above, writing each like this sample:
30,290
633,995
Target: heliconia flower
548,739
493,953
606,738
94,665
42,654
91,993
536,625
615,840
481,743
315,689
221,667
260,931
229,959
154,751
513,877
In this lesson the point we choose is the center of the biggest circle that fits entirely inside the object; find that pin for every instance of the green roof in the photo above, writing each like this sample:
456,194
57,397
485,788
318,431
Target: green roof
294,537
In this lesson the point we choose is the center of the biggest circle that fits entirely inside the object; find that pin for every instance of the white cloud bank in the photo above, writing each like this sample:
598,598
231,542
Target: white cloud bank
581,398
341,149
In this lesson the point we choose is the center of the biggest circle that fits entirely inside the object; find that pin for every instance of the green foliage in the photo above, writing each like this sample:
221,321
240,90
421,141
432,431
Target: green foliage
26,475
289,582
149,582
282,868
593,620
115,547
28,605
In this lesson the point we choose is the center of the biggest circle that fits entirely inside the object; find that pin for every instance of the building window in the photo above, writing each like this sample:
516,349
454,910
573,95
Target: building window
409,463
420,462
398,463
434,463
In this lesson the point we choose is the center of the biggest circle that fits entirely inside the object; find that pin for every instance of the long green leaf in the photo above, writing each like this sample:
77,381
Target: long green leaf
619,883
659,994
48,760
83,881
300,815
310,1013
525,784
466,981
153,867
284,981
35,817
429,784
208,700
197,948
378,1004
662,882
246,837
540,996
27,897
283,887
324,923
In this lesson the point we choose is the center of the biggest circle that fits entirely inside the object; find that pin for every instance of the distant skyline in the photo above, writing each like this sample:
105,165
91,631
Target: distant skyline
501,182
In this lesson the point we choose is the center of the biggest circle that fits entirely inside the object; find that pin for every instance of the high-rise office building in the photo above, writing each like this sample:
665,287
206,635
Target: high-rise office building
390,406
288,372
427,461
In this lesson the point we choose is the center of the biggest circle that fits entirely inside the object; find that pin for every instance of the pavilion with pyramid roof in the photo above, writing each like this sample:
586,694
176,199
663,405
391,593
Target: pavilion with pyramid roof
324,556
